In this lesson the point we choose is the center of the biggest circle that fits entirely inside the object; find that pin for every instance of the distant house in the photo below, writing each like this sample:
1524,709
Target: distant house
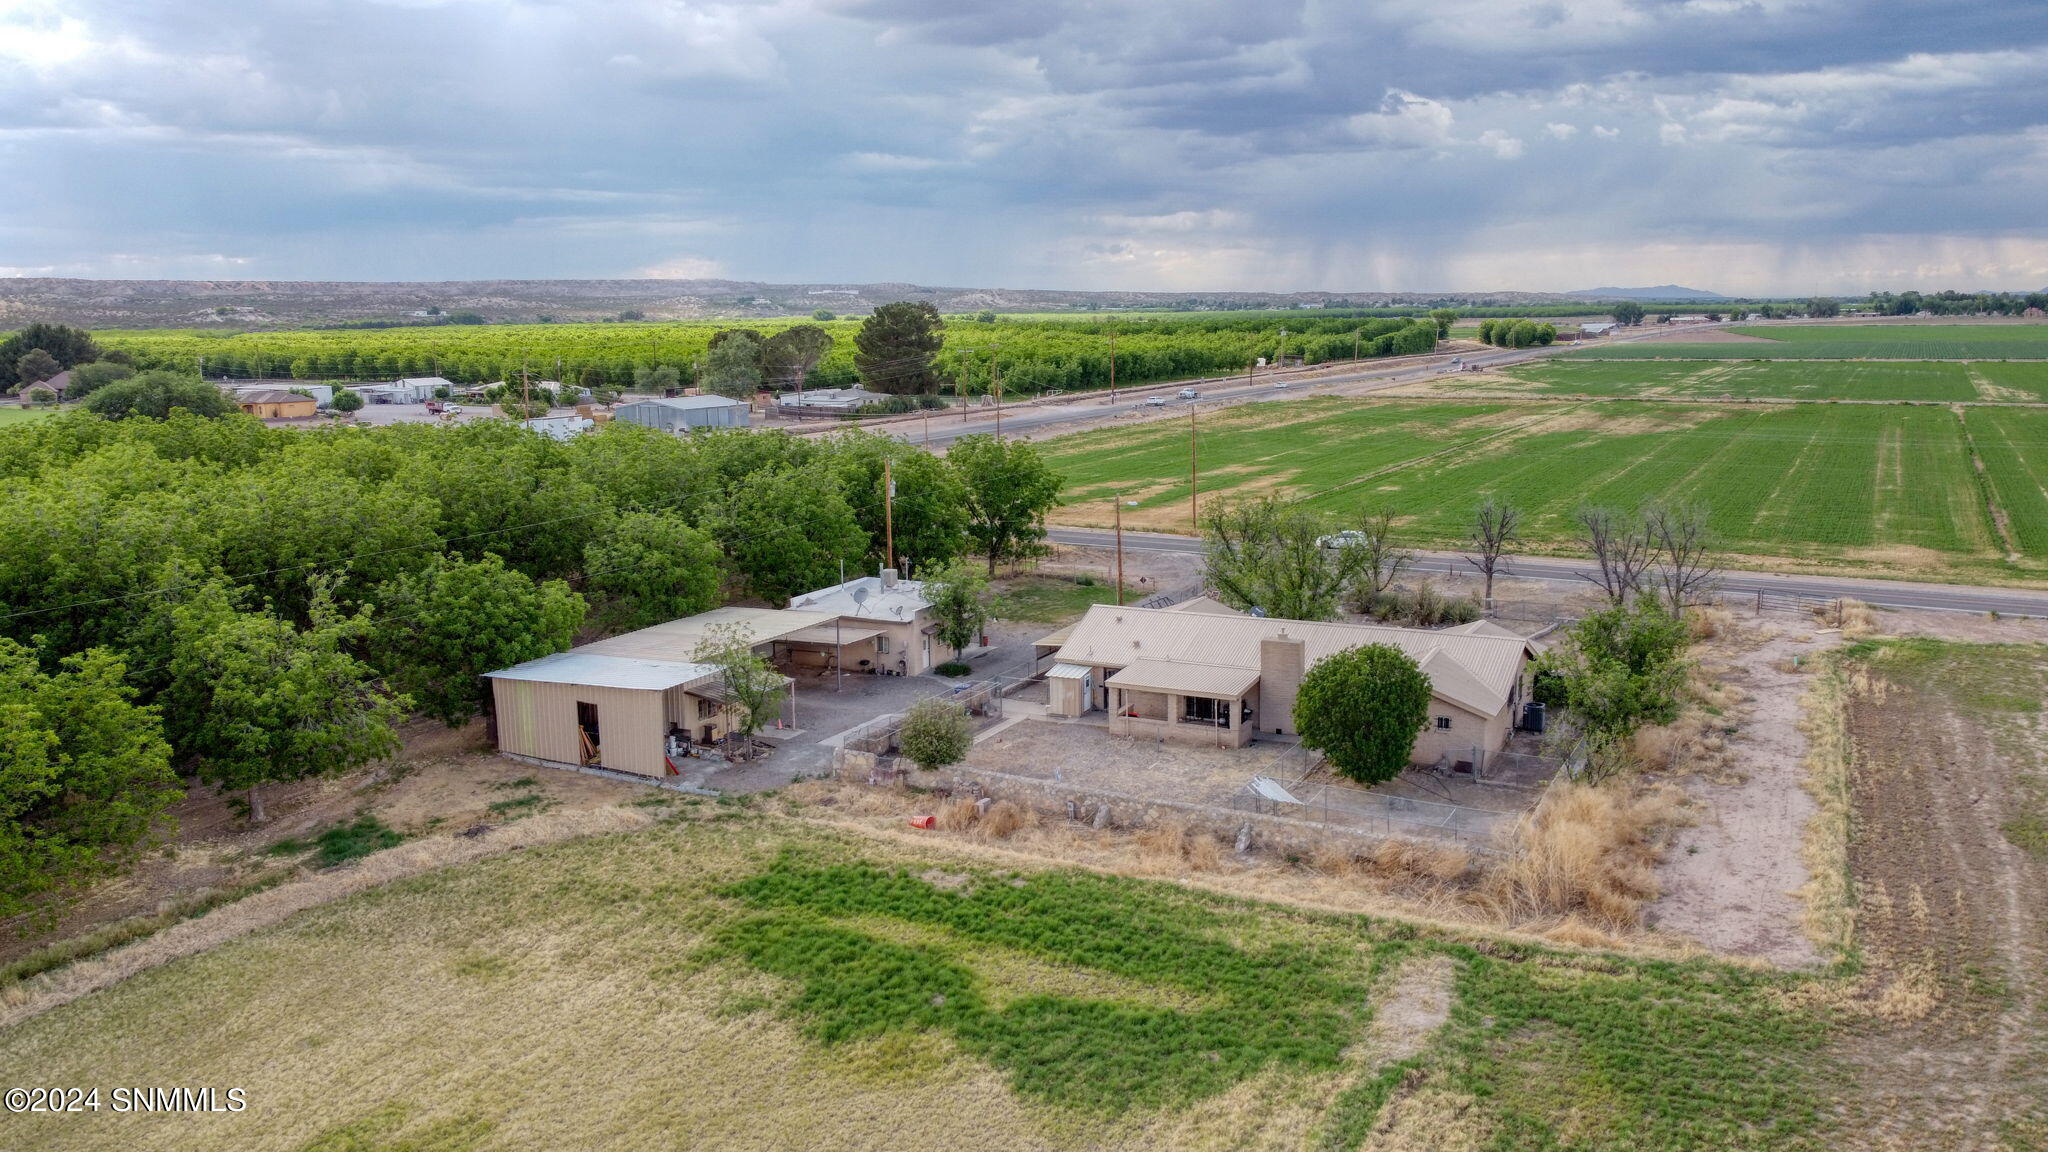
683,413
323,394
57,386
560,427
1203,673
276,404
411,390
1600,328
828,399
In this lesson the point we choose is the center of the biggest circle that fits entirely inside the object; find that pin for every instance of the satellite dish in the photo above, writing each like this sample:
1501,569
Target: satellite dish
860,597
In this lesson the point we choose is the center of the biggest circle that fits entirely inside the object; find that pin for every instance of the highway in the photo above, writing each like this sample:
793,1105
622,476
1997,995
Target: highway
1879,593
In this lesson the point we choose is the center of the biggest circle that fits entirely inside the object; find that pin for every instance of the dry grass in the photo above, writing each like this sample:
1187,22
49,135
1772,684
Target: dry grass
42,993
1855,618
1707,622
1586,850
1004,820
1829,894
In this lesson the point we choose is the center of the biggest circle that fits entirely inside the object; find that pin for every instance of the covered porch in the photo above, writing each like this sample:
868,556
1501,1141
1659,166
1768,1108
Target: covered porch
1187,703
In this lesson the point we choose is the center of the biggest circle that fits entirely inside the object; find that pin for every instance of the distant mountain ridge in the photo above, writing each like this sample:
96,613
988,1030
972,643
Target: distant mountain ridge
1660,292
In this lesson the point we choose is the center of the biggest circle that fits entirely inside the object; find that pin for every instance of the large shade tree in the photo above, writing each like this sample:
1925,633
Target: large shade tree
1269,554
441,628
257,700
896,348
85,775
1362,709
1010,488
653,566
65,345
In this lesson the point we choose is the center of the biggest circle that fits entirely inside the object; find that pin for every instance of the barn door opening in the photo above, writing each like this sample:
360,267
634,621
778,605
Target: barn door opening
586,732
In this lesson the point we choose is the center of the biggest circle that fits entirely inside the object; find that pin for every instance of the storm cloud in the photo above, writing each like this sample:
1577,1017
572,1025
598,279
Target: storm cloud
1739,145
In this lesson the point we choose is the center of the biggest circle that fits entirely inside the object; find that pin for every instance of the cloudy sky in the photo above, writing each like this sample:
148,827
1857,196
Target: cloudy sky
1780,146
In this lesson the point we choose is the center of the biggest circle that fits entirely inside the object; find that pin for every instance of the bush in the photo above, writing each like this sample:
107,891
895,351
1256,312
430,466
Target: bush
896,405
346,400
1424,607
1362,708
936,733
954,668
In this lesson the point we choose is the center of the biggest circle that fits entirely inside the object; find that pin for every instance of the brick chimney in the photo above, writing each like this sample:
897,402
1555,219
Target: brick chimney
1280,669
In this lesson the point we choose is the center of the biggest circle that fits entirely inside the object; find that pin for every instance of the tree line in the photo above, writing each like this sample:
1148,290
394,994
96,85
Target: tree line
912,351
203,597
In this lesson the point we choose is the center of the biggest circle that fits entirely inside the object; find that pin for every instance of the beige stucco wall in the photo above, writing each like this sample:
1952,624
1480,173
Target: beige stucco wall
1468,729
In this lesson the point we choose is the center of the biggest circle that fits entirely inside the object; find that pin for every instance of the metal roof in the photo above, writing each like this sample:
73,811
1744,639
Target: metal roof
1474,671
878,601
831,634
597,670
678,640
687,403
1185,679
1069,672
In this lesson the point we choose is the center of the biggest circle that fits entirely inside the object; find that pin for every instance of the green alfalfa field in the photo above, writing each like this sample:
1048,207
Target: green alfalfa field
1868,380
1845,342
736,979
1887,489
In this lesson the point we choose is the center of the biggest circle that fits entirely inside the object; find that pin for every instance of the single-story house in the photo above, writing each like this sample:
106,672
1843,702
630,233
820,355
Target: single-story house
276,404
1600,328
893,610
829,399
684,413
1203,673
56,385
323,394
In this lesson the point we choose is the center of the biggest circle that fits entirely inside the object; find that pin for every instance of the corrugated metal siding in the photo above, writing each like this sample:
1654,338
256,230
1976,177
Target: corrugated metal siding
537,719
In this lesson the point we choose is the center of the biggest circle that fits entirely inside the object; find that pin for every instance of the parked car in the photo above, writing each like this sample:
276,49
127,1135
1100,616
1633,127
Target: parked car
1280,384
1156,402
1344,539
1190,394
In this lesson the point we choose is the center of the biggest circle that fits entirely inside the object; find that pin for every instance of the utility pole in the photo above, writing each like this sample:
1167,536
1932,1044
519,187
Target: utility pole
1357,343
888,514
995,387
1194,515
1119,549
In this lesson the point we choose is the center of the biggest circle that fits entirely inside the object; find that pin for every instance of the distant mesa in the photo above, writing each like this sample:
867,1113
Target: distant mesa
1660,292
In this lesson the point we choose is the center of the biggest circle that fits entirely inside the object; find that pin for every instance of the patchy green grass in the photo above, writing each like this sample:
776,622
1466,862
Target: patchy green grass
342,842
1042,599
1824,380
1884,488
837,992
24,415
1849,342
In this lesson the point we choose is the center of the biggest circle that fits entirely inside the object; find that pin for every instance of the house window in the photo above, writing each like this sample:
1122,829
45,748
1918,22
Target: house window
882,645
1443,723
1203,710
706,708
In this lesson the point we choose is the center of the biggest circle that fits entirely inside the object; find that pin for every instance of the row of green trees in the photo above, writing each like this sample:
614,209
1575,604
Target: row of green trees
909,350
203,596
1516,333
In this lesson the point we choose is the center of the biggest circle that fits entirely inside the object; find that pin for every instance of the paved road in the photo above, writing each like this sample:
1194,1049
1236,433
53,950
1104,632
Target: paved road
1881,593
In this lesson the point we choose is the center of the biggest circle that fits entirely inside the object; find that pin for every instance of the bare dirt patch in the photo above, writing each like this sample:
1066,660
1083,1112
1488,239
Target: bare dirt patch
1732,880
1946,743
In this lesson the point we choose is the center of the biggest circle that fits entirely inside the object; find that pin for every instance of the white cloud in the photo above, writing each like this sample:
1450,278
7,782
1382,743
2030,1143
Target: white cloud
1604,132
1671,132
1185,221
1561,131
1404,120
683,268
1504,146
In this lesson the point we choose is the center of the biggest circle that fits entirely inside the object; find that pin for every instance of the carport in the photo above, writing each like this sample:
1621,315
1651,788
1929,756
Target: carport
826,648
